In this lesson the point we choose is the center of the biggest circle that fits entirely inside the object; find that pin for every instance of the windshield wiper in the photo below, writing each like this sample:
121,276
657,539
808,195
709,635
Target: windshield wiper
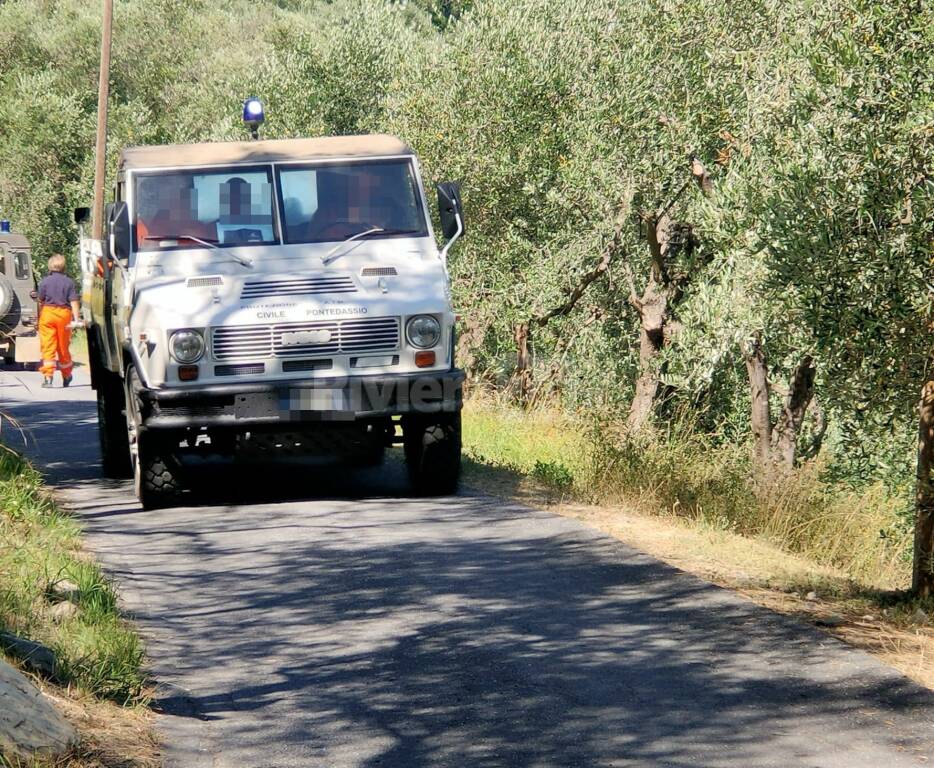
333,253
213,245
391,231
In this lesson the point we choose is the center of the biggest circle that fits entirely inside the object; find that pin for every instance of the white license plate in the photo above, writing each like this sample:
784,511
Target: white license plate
317,399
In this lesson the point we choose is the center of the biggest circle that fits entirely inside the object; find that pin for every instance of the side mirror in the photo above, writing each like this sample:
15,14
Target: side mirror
449,209
82,215
106,260
121,236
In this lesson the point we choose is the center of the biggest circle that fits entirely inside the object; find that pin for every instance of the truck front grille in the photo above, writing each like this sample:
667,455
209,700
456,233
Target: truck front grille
306,339
240,342
298,286
371,335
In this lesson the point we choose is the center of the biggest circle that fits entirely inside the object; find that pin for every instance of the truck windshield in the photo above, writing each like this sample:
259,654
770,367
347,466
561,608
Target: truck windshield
183,209
324,203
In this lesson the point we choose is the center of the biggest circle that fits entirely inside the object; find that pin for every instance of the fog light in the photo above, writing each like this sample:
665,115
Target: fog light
187,372
425,359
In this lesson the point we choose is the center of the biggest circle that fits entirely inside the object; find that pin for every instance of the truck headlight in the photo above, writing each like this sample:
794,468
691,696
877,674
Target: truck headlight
187,346
423,331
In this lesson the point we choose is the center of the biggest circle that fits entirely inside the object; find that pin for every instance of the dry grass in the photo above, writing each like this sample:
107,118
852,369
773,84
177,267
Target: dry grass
110,736
687,476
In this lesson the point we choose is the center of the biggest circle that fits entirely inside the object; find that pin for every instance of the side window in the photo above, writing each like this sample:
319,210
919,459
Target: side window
3,259
21,264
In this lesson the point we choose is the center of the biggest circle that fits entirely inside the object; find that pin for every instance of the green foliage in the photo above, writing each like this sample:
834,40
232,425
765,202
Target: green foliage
554,473
815,121
94,649
848,220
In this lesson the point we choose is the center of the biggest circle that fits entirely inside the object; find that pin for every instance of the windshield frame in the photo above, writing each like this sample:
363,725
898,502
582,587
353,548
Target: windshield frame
408,160
266,168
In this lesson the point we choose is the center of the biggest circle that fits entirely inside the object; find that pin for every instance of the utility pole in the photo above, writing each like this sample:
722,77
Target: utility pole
103,92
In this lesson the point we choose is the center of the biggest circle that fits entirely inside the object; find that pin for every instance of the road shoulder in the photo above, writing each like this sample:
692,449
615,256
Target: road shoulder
878,622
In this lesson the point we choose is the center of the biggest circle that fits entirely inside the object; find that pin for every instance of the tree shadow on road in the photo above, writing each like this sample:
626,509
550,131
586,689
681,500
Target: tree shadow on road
371,629
475,634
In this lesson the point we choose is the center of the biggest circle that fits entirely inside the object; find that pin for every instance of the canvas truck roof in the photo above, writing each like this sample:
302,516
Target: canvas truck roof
265,151
14,240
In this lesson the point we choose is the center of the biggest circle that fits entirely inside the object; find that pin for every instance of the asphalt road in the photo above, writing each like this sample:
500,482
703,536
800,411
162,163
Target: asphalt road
322,618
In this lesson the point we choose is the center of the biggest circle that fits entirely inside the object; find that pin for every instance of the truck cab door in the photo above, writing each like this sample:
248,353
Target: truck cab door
115,266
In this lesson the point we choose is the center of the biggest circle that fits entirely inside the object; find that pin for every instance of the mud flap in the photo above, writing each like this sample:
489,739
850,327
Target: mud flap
27,349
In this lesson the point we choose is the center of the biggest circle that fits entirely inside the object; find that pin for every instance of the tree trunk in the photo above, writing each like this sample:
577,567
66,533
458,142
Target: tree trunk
756,368
923,577
653,310
800,392
523,374
665,238
820,429
653,307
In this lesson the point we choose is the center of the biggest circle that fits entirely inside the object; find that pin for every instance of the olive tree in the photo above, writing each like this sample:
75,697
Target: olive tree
848,223
587,136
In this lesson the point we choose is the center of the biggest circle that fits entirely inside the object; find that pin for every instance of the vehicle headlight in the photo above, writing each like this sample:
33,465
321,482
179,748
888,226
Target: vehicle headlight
423,331
187,346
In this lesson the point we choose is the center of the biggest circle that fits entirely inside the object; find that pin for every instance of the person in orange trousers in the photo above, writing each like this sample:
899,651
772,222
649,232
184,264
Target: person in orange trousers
58,311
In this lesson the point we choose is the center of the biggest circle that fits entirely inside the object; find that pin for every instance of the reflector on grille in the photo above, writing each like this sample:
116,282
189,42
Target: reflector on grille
298,286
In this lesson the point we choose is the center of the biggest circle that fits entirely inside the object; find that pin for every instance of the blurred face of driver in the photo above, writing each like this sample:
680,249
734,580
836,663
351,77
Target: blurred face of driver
170,193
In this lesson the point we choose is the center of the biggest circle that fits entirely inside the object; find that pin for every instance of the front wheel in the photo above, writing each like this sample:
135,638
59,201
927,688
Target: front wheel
155,474
432,444
155,469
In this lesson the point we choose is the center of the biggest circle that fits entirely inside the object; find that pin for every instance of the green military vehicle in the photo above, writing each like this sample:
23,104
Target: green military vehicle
18,336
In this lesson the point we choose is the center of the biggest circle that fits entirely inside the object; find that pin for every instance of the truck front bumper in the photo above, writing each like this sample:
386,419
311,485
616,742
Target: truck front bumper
331,399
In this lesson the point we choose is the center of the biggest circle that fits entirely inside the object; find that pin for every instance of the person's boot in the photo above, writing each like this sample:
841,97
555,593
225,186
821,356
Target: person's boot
47,381
66,380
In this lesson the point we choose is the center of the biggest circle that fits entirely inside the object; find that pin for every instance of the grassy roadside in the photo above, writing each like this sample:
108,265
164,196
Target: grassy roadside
53,593
79,346
786,551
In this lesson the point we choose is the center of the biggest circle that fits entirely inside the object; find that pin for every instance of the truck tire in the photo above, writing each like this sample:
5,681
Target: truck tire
7,295
155,474
432,444
155,471
111,428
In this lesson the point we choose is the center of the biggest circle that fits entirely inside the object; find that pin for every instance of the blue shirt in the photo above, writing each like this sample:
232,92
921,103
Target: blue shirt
57,290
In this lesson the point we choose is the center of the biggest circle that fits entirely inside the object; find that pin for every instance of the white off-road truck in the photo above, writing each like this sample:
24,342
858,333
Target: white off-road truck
260,299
